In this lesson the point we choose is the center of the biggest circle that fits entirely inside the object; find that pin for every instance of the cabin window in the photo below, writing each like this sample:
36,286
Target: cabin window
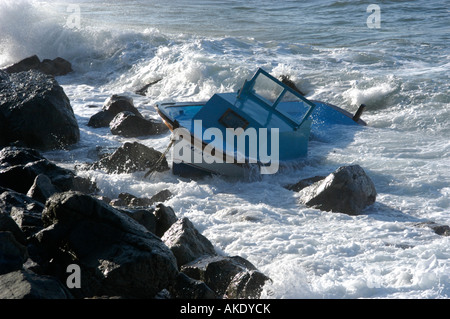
231,119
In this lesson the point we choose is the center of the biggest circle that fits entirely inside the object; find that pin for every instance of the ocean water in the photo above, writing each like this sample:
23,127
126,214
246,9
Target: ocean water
335,51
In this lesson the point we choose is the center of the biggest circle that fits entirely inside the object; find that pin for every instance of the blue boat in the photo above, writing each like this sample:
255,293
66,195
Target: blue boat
267,122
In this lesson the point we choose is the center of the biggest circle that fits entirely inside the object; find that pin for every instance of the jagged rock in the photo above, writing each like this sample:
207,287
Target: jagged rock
188,288
24,284
117,256
246,285
42,188
12,253
120,103
234,277
7,224
126,199
347,190
35,111
24,211
165,218
55,67
131,157
186,243
128,124
20,166
101,119
144,217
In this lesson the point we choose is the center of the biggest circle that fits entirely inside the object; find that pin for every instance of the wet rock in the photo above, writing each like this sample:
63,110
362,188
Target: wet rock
35,111
42,188
129,158
12,253
145,217
143,90
246,285
188,288
232,277
443,230
20,166
186,243
128,124
55,67
7,224
304,183
126,199
117,256
24,211
101,119
24,284
165,218
120,103
347,190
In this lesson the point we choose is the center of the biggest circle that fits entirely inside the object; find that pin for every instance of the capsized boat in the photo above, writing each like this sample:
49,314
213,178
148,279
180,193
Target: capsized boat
264,124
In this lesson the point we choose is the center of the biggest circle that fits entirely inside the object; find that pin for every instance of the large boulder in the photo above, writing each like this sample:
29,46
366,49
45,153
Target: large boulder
129,158
128,124
347,190
35,111
24,284
117,256
186,242
55,67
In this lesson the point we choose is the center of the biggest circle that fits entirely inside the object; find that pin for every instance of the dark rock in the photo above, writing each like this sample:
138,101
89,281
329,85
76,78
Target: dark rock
119,103
27,64
286,80
143,90
144,217
55,67
186,243
128,124
42,188
35,111
131,157
347,190
304,183
165,218
7,224
161,196
188,288
24,284
443,230
246,285
12,156
232,276
12,253
25,212
101,119
21,176
117,256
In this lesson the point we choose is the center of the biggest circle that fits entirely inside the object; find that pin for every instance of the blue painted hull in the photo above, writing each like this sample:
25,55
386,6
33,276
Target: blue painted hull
278,130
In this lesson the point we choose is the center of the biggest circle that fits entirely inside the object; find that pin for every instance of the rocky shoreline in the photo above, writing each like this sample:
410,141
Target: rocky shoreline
60,240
